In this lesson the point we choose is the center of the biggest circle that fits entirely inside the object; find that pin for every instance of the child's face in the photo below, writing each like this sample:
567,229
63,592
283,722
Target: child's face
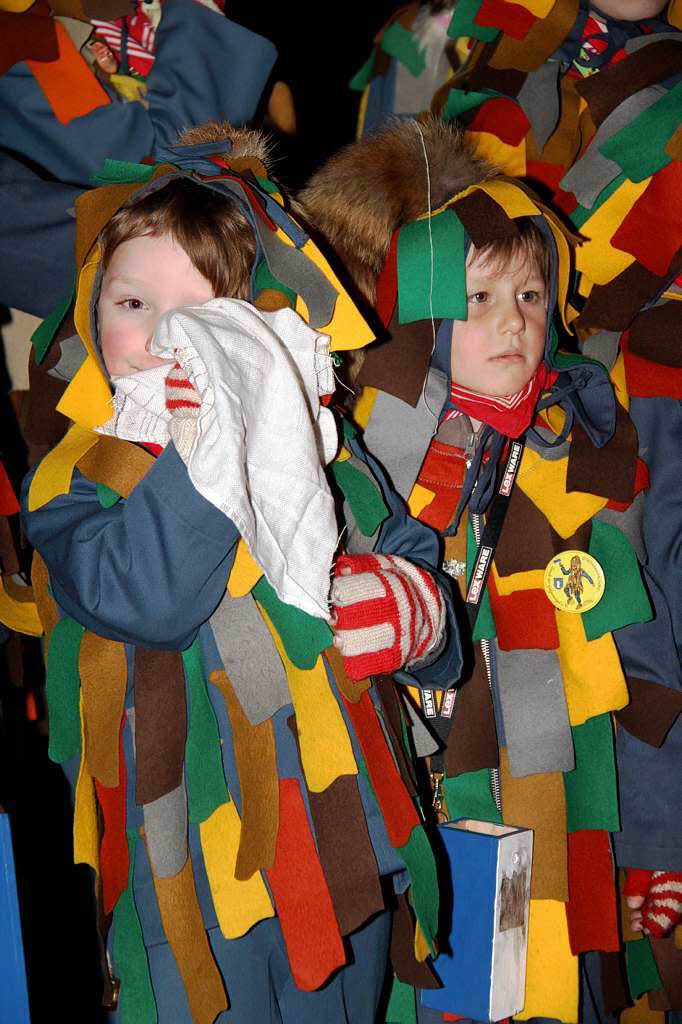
146,277
631,10
498,348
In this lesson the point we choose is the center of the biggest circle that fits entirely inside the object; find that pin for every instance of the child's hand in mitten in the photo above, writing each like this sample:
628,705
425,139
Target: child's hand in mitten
184,402
654,899
386,613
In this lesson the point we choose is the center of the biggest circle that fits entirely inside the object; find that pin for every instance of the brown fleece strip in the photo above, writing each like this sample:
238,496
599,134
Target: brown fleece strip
9,562
118,464
616,82
484,220
615,305
507,81
673,147
608,472
652,710
472,742
669,962
526,539
405,965
538,802
103,669
399,365
615,991
393,719
187,938
345,849
655,334
541,40
352,689
160,722
564,143
47,609
254,751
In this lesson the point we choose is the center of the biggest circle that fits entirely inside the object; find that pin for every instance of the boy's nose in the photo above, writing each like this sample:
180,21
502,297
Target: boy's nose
511,318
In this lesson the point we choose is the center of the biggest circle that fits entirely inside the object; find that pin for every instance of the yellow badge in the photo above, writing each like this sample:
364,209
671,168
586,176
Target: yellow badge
574,581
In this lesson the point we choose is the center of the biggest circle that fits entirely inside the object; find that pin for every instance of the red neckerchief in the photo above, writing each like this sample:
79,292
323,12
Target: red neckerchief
509,415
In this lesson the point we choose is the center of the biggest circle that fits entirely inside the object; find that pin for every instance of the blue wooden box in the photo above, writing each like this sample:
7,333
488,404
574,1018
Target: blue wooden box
484,970
13,995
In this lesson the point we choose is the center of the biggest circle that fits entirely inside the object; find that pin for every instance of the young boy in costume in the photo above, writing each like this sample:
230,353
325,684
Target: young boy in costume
239,797
471,368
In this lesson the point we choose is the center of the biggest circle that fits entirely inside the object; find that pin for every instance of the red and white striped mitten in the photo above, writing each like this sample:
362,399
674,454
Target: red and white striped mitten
184,401
388,613
660,893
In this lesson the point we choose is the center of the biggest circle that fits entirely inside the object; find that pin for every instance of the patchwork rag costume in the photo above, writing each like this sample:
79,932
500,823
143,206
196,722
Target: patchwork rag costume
244,805
527,738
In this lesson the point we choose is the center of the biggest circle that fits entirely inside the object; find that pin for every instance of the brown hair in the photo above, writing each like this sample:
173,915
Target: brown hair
530,243
211,227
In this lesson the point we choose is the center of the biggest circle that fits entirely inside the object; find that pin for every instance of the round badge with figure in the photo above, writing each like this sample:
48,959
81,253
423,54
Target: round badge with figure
574,581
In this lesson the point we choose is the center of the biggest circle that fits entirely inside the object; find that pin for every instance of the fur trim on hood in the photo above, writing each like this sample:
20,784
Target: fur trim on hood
371,187
247,145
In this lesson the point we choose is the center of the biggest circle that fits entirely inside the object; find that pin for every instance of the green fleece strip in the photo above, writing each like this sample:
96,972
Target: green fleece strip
206,787
363,497
304,637
484,628
625,598
118,172
591,789
106,496
421,867
268,186
641,967
420,290
63,690
639,148
459,101
470,796
264,278
463,24
402,1005
136,1001
45,332
399,43
363,76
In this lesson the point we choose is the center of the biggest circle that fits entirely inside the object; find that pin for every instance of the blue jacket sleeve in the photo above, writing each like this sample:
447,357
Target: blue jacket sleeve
147,571
401,534
206,67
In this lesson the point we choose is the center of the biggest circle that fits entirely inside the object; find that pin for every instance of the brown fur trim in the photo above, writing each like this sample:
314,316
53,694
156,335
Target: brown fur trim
246,143
361,195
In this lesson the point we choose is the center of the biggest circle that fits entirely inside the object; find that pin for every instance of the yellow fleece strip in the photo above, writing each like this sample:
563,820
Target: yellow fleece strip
53,476
551,968
85,830
21,616
238,905
591,670
245,571
544,482
596,257
326,749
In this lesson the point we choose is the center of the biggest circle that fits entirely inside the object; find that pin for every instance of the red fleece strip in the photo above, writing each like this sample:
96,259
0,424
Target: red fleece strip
591,911
525,619
304,905
503,118
645,379
113,854
9,506
513,19
399,813
652,231
387,285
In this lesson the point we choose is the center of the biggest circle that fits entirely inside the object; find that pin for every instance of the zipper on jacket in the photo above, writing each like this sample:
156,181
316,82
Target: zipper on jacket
494,773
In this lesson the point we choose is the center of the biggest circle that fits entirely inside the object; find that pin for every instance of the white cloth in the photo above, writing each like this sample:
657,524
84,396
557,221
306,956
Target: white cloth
262,437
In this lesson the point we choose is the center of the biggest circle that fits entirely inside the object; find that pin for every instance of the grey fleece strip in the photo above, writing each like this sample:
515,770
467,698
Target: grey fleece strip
536,725
629,522
250,657
640,42
72,355
165,829
424,742
593,172
540,101
549,453
398,434
603,346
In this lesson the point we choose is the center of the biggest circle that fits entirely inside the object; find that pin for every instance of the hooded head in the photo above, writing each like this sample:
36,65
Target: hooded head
280,265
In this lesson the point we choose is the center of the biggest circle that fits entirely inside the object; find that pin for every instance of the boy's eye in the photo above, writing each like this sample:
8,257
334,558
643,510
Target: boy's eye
478,297
132,304
531,295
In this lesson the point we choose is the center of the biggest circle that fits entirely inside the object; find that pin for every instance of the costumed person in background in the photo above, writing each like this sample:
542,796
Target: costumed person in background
450,254
59,122
242,791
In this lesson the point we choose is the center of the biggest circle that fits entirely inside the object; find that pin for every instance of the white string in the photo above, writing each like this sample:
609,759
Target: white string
431,268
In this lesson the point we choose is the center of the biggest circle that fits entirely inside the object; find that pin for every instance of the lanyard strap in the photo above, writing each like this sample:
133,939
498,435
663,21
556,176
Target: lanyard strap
441,721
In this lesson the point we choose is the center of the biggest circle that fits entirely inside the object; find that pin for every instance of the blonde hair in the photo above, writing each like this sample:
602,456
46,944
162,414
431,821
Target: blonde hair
530,244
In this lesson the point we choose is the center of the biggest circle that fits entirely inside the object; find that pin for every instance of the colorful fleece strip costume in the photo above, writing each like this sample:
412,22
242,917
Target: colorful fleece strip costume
237,796
531,742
